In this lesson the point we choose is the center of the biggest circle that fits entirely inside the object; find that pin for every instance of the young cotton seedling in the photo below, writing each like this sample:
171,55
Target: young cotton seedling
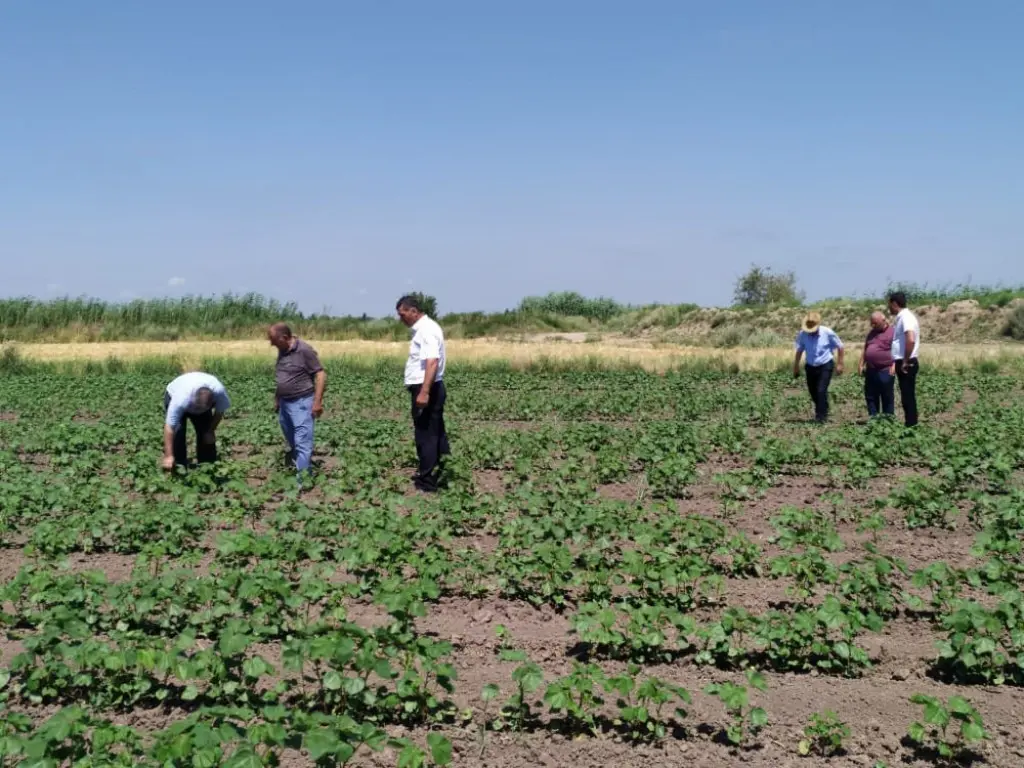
935,732
746,720
824,735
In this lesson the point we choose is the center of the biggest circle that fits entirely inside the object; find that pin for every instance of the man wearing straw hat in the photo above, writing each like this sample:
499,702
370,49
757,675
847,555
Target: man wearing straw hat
819,343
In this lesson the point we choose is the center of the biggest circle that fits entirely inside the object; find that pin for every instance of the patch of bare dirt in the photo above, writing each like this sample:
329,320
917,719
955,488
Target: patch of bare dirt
490,481
112,565
630,492
11,561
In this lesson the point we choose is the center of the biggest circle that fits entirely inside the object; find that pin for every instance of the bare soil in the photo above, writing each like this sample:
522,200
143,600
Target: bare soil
875,706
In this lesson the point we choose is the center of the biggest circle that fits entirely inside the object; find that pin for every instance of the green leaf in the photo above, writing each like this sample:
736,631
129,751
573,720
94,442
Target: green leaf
757,680
354,685
489,692
440,748
804,747
244,757
960,706
758,718
917,733
973,732
333,680
321,742
935,714
411,756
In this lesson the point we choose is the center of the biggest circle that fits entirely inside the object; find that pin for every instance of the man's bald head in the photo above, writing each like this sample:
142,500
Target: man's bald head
280,336
878,320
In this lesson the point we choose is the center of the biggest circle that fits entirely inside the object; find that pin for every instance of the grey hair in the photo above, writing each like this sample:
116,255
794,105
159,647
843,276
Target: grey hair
203,397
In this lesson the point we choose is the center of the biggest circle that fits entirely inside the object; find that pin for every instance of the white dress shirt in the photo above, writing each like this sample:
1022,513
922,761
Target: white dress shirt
905,321
427,344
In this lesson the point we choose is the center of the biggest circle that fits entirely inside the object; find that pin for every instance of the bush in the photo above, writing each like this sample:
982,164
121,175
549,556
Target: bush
1015,324
745,336
11,361
760,287
571,304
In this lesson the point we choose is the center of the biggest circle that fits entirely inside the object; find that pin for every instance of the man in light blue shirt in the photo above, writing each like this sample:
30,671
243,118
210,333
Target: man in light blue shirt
201,399
818,343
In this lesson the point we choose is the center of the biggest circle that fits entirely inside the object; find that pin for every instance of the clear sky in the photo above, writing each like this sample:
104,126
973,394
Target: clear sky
340,152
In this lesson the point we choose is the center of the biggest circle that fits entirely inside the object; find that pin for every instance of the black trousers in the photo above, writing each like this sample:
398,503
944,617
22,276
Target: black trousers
201,423
878,391
908,390
431,438
818,379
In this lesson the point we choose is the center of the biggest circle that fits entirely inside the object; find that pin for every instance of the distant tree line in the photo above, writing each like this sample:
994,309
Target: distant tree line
242,316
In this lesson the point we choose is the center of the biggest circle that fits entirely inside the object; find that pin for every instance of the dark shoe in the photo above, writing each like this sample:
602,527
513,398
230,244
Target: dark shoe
425,487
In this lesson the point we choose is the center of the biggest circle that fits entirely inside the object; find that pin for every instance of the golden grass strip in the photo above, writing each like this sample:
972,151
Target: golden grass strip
652,357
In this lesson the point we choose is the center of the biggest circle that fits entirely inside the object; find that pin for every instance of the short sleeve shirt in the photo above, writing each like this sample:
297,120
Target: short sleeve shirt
182,390
818,347
296,371
878,348
427,343
905,321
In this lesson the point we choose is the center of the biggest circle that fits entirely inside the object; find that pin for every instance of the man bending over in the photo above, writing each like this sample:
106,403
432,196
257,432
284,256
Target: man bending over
200,398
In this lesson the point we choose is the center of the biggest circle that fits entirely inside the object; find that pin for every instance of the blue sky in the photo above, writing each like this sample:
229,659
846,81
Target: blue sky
338,153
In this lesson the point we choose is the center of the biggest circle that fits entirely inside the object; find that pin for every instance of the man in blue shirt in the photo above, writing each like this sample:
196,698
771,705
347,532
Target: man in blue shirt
818,343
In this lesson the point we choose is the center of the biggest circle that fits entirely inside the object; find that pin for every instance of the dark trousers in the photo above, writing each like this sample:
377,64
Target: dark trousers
818,379
201,423
908,390
879,391
431,438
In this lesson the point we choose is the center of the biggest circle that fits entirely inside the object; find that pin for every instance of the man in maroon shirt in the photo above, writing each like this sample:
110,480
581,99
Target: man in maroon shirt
877,367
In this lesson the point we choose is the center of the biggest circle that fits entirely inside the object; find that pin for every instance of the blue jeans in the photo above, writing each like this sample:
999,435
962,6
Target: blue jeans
296,418
878,391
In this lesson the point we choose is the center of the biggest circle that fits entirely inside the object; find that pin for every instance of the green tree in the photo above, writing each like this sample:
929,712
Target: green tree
427,303
761,287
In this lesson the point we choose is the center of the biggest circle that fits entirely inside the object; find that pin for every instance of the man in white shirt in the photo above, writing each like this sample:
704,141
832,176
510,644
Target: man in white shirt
906,341
424,378
200,398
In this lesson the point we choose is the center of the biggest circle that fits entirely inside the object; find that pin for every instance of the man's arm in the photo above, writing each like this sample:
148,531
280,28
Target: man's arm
908,347
320,382
428,381
175,415
839,366
168,459
863,358
796,362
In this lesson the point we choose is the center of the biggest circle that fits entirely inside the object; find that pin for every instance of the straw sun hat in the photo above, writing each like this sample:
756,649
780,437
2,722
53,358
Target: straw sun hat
812,321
